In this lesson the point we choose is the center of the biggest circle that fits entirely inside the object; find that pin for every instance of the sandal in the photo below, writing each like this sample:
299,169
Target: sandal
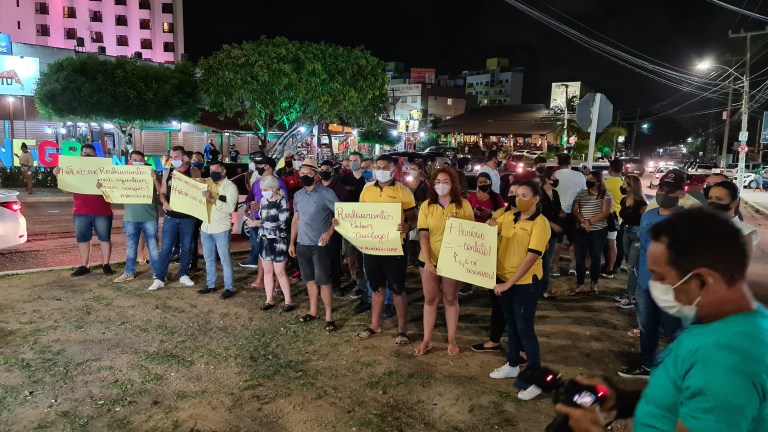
330,326
365,334
306,318
288,307
267,306
634,332
579,290
548,296
402,339
452,352
419,351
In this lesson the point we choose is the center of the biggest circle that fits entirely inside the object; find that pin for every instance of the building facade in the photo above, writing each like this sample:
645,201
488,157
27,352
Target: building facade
424,102
497,84
152,29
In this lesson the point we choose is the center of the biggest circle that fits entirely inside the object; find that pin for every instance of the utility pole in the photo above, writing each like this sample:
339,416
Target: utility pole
565,116
724,154
743,135
634,129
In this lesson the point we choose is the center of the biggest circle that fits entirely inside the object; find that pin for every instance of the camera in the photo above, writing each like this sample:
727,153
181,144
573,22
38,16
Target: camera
567,392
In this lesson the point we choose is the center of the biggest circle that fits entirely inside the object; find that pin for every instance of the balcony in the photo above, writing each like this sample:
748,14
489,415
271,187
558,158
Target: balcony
41,8
70,12
43,30
96,16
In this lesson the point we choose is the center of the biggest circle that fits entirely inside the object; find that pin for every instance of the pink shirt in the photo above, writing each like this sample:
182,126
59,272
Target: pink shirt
487,204
92,205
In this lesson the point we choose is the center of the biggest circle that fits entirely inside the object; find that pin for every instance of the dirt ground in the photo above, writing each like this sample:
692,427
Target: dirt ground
88,355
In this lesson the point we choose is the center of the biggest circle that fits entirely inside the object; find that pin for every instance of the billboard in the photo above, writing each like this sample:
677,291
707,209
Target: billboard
557,97
6,48
404,90
18,75
764,129
423,75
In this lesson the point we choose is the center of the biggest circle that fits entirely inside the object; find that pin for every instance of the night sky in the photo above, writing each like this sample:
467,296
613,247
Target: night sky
457,35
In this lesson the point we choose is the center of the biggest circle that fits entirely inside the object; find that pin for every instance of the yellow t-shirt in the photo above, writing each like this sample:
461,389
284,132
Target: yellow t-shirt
432,218
517,237
613,185
394,193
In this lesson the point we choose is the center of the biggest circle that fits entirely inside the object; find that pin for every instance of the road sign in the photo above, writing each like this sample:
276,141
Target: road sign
584,112
764,131
743,149
743,136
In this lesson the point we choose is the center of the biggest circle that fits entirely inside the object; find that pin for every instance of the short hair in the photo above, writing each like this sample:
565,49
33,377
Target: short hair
136,152
493,154
269,181
547,173
564,159
419,165
219,163
730,187
199,154
366,160
178,148
700,237
539,160
463,162
386,158
358,154
326,163
87,146
188,154
616,165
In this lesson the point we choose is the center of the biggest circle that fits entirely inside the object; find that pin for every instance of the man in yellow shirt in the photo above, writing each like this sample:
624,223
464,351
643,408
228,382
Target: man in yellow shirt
614,252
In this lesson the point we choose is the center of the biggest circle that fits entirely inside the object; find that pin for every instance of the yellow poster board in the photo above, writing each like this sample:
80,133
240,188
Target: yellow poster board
187,196
80,174
127,184
371,227
468,252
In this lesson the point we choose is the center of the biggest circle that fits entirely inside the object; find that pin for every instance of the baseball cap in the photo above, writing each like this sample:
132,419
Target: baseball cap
260,158
672,181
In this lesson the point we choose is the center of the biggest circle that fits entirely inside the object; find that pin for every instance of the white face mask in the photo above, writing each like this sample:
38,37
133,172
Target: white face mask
267,194
137,163
252,166
664,296
442,189
177,163
296,165
383,176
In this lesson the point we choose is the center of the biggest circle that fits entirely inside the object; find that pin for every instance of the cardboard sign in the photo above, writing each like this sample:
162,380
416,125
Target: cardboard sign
468,252
80,174
371,227
187,196
127,184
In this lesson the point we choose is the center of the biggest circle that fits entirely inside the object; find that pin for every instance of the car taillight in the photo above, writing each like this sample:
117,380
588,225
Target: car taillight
657,176
13,206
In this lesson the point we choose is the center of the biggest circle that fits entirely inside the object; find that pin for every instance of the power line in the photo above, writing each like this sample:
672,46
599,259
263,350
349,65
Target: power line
739,10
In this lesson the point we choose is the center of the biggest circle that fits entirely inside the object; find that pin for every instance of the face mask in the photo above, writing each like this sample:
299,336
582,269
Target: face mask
623,190
326,175
260,170
137,163
198,165
177,163
555,183
666,201
484,188
216,176
383,176
289,164
590,184
524,204
367,174
307,180
297,164
512,200
442,189
664,296
415,174
539,170
725,208
354,166
266,194
252,166
706,190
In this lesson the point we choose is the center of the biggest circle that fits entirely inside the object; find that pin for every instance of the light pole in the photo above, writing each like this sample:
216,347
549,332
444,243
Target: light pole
10,114
706,64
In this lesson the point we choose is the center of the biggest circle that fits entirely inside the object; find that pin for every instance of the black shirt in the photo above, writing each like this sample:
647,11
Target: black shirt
551,208
420,193
215,154
168,183
234,155
354,186
630,215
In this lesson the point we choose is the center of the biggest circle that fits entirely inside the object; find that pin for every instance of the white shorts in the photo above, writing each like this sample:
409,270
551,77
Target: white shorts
612,235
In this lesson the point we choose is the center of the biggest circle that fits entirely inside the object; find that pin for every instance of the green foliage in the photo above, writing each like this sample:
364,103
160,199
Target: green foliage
379,136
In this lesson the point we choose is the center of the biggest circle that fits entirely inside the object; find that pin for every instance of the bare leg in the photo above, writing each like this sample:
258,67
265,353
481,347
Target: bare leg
377,306
431,287
269,282
401,308
327,294
106,252
352,264
85,253
282,277
260,274
312,293
450,289
611,260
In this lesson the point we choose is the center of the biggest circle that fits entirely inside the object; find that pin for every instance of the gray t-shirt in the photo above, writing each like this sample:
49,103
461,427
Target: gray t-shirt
315,209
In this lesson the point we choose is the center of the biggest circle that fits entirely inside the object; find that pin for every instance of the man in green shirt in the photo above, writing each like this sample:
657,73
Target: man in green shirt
758,179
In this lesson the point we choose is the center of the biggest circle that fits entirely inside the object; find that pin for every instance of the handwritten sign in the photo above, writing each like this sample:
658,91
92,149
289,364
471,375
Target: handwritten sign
187,196
80,174
372,228
127,184
468,252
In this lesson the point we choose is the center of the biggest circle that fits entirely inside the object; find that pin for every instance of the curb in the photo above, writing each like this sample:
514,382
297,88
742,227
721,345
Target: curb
756,207
28,199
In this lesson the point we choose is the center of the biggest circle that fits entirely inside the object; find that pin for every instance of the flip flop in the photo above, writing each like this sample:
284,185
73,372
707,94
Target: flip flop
365,334
453,353
418,351
330,326
306,318
402,339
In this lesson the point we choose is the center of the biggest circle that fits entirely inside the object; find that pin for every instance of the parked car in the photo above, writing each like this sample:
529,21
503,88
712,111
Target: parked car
633,166
749,178
597,166
533,153
440,150
701,168
732,169
658,173
13,225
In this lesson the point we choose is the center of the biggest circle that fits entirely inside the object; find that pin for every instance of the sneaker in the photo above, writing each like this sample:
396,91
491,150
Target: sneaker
607,274
620,298
529,393
245,264
124,277
388,312
185,280
635,372
107,269
361,307
571,272
295,276
466,290
156,285
505,371
206,290
82,270
338,292
227,294
357,293
482,348
555,272
627,303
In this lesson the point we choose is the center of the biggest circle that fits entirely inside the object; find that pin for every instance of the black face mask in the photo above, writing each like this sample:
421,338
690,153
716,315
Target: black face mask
623,190
725,208
326,175
512,200
289,164
667,202
307,180
539,170
555,183
590,184
216,176
706,190
484,188
260,170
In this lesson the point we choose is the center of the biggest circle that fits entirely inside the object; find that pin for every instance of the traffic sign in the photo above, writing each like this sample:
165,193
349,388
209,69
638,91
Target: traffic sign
584,112
743,136
743,149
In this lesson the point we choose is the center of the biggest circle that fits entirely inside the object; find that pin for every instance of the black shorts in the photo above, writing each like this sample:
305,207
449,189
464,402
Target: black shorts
314,263
569,227
386,270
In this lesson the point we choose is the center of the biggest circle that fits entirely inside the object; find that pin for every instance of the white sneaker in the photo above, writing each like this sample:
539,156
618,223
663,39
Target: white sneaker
185,280
505,371
156,285
529,393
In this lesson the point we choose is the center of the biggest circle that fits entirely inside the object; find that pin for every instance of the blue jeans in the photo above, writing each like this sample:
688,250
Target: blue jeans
649,319
133,231
213,243
593,243
173,229
519,306
253,258
546,262
631,243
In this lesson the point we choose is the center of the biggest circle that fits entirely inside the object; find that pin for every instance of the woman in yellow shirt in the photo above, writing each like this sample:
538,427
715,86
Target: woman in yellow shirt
443,202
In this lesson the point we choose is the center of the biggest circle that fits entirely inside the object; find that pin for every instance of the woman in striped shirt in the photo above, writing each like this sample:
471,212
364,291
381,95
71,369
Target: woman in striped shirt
591,209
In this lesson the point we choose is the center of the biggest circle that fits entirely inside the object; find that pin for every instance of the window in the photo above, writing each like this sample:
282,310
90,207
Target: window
450,101
43,30
97,37
18,25
122,40
41,8
145,4
70,33
167,27
146,44
95,16
168,8
168,47
70,12
121,20
145,24
121,3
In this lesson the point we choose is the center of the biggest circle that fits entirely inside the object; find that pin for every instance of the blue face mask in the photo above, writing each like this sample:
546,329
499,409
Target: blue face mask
367,174
198,165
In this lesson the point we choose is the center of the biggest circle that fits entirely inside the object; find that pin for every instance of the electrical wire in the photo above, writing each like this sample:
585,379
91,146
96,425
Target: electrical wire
739,10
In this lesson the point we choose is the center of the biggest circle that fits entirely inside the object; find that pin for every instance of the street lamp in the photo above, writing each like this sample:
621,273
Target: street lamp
10,114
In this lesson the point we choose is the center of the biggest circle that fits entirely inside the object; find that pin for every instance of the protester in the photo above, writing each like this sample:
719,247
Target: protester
332,182
26,163
176,225
696,184
389,271
633,205
345,167
714,377
354,181
758,179
198,163
484,200
462,166
570,183
689,201
234,154
591,209
91,213
311,230
539,163
649,316
417,183
612,246
491,168
273,238
552,209
208,149
724,197
443,202
523,238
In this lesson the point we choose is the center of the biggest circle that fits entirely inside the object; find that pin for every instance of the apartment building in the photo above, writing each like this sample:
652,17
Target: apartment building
497,84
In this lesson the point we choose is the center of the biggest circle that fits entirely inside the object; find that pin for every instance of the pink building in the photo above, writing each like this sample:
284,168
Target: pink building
153,28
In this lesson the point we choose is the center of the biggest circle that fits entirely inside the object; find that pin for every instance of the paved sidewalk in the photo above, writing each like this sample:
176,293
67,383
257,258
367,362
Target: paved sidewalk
756,200
42,195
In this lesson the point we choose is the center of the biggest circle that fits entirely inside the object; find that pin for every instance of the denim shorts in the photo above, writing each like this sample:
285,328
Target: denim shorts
314,263
85,225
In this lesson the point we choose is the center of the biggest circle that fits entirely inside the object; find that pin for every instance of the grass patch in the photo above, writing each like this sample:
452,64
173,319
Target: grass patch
392,378
164,360
166,308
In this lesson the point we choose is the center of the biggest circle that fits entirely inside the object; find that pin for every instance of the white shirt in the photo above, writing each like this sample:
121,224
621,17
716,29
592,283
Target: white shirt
748,230
495,178
571,182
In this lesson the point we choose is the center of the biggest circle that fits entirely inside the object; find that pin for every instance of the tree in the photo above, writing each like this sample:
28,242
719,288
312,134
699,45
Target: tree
124,92
607,139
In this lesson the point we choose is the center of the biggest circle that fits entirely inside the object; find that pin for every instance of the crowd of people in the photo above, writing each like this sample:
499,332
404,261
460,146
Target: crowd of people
603,223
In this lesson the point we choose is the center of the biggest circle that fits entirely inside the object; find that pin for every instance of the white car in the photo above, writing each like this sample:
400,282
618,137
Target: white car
731,170
749,179
657,173
238,218
13,225
533,153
